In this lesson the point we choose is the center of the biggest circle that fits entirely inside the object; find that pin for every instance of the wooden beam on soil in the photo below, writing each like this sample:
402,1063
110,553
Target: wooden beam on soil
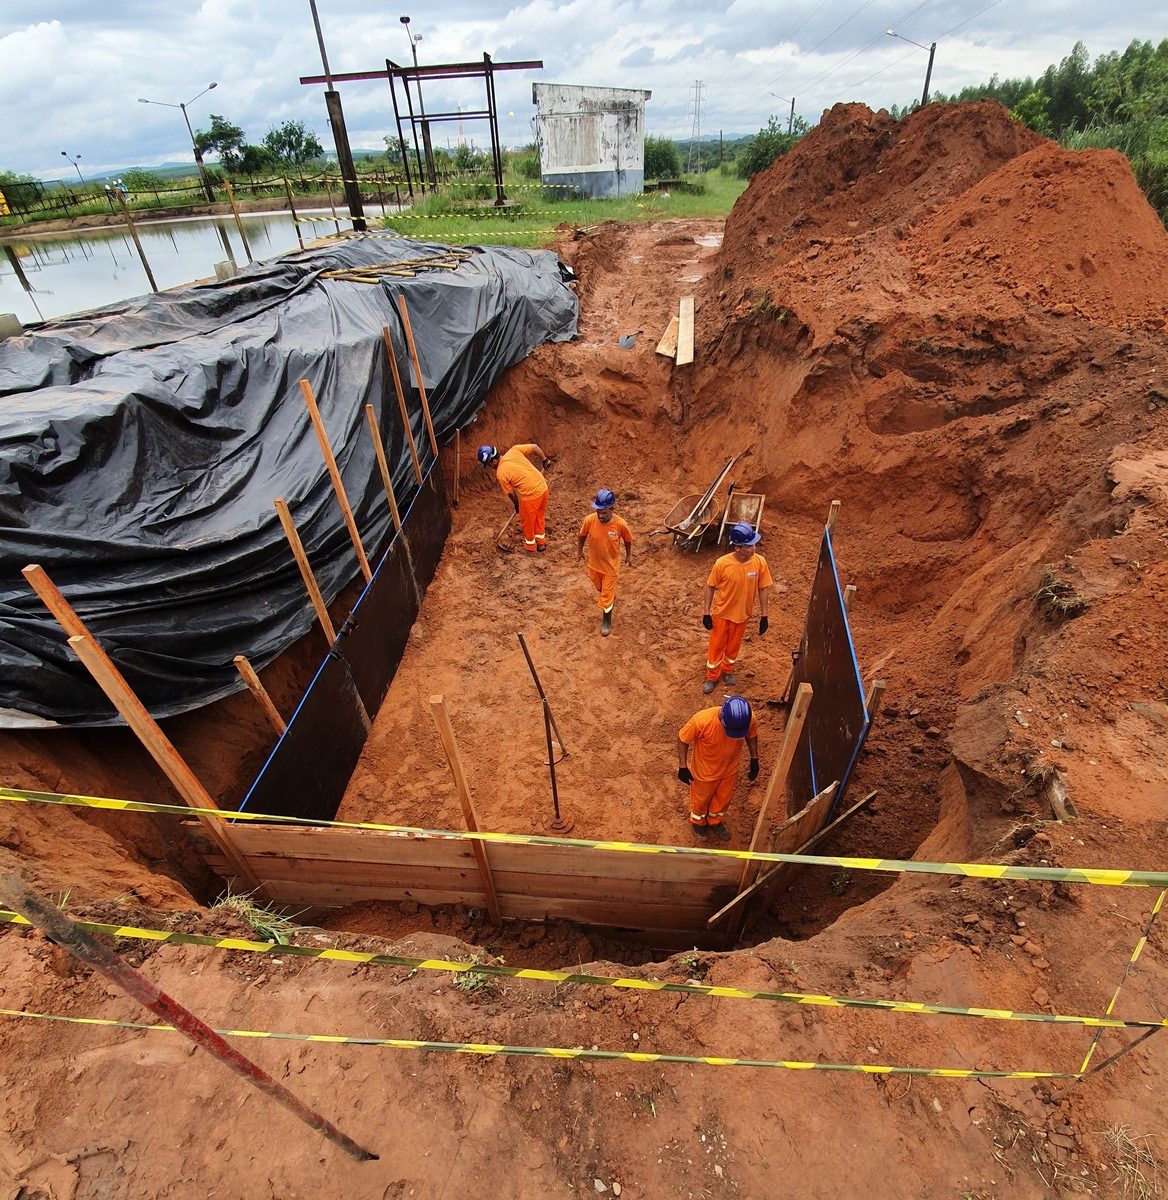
306,574
257,689
401,403
405,316
849,596
330,462
832,516
110,680
446,733
383,466
667,346
685,332
873,698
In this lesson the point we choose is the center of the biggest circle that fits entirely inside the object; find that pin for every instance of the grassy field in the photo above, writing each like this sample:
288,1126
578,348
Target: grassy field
463,219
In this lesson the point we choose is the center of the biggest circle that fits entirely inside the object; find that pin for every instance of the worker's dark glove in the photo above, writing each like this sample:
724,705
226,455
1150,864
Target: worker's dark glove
763,625
514,501
685,774
547,462
753,772
707,621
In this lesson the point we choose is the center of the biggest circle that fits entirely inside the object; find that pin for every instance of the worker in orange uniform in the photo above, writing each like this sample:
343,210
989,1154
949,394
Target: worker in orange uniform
523,485
735,581
603,532
716,736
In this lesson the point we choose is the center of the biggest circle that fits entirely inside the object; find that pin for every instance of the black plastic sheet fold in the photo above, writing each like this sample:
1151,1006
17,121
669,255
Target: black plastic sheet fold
142,447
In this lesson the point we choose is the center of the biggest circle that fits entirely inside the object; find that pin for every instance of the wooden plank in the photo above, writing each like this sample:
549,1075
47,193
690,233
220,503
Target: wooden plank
667,346
611,864
351,845
383,466
310,584
832,516
873,698
257,689
413,349
685,332
401,403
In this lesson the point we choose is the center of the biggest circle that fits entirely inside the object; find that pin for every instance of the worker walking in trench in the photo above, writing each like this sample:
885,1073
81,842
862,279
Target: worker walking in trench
736,581
603,532
715,736
523,485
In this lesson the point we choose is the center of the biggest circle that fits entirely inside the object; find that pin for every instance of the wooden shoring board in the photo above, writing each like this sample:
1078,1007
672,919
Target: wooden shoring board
792,834
685,332
667,346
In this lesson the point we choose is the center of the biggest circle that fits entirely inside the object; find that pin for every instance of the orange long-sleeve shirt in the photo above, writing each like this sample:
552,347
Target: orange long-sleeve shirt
713,755
516,473
736,586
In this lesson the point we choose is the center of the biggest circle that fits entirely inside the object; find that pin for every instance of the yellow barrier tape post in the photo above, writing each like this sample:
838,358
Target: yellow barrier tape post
1099,877
490,1049
539,975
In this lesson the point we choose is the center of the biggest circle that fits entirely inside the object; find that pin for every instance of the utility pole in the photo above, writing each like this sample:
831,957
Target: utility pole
928,74
694,158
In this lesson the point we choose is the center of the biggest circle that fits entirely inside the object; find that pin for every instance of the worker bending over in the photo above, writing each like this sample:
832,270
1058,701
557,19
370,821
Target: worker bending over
716,736
603,532
735,581
523,485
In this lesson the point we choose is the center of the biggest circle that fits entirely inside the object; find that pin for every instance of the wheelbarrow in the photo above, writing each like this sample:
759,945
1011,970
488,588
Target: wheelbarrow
692,517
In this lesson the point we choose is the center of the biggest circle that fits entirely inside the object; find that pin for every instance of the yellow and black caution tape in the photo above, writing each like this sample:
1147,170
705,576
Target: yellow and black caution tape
1097,876
716,991
491,1049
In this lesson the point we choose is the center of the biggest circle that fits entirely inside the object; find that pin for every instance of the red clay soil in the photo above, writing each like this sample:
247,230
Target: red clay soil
891,321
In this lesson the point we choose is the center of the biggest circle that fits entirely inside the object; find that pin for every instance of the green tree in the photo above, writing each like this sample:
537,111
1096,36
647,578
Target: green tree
662,160
138,180
1031,110
767,145
13,177
292,143
224,139
468,159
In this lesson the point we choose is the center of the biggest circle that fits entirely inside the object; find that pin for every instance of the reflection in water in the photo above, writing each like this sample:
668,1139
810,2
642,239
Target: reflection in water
70,273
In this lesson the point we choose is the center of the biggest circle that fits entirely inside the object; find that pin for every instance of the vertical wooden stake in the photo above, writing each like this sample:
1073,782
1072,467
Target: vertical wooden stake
386,479
257,689
238,221
292,210
157,744
873,698
306,574
849,596
137,243
457,463
335,474
833,516
405,316
446,733
778,780
685,331
401,402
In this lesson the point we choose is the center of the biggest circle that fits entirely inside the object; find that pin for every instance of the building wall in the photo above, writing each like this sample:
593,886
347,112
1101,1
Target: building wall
591,139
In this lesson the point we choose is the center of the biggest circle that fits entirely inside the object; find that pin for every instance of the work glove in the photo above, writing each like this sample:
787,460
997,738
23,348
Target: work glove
547,462
707,621
752,774
763,626
685,774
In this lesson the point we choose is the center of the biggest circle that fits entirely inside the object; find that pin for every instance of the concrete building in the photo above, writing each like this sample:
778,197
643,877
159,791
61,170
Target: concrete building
591,138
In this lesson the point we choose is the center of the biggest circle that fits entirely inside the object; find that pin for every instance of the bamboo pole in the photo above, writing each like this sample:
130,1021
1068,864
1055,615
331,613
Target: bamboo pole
306,574
405,316
446,733
292,210
257,689
335,474
158,746
238,221
386,479
776,783
401,402
45,915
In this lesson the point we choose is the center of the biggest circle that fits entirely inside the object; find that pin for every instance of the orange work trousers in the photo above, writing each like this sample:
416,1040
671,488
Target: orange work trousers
722,652
709,799
605,584
531,514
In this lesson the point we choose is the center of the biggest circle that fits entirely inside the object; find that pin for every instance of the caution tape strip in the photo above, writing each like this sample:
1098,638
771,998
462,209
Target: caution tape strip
538,975
1096,876
491,1049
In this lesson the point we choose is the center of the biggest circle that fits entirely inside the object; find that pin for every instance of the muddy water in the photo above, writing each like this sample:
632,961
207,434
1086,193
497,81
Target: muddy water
76,271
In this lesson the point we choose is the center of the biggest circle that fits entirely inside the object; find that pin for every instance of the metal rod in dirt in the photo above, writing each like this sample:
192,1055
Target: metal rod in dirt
542,693
137,243
547,728
51,921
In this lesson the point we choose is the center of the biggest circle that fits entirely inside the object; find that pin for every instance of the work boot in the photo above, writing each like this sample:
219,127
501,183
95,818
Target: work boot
606,624
540,547
709,686
720,832
699,830
729,678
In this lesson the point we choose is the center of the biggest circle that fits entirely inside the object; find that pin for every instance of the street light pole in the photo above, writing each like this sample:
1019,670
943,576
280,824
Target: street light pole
414,40
75,161
203,176
931,48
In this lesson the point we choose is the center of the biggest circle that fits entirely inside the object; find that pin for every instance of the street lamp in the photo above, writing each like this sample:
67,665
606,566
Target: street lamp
198,153
415,38
791,118
75,161
931,48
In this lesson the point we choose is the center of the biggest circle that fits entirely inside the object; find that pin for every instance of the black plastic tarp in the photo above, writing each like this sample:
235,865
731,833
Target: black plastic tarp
141,449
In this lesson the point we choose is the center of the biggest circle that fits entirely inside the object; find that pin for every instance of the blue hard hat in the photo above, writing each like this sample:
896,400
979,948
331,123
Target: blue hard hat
735,716
742,534
486,453
604,499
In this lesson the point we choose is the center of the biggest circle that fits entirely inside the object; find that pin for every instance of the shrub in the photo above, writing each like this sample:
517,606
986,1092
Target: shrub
766,146
661,158
526,165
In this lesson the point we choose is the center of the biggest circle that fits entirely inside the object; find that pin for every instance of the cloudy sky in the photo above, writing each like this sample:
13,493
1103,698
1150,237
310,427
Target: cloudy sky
71,71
